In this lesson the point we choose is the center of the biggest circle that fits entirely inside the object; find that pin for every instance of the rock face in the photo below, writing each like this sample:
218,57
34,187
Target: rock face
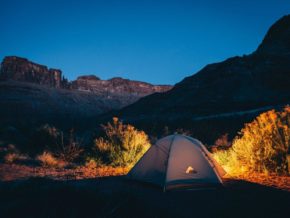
32,94
232,89
117,86
20,69
23,70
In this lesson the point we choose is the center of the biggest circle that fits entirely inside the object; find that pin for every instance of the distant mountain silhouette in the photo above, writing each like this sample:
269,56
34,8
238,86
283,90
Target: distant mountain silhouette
222,96
32,94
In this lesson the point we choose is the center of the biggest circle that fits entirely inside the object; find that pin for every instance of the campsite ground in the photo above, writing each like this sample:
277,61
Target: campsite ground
118,197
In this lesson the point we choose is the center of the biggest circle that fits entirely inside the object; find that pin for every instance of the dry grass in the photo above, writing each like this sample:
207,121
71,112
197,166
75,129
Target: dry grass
9,172
49,160
14,157
279,182
70,150
10,157
93,172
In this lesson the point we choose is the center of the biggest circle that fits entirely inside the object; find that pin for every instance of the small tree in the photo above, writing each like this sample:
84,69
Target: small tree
122,144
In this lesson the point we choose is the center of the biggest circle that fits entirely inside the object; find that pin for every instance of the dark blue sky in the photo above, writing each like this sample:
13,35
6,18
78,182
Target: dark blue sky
155,41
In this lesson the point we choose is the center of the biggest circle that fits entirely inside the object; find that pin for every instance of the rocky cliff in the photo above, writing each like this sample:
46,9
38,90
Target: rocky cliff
32,94
21,69
117,86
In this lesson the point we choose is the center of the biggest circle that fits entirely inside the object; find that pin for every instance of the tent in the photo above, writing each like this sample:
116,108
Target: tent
175,161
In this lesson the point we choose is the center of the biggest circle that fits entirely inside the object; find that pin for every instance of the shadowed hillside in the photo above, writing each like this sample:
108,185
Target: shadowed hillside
223,96
33,94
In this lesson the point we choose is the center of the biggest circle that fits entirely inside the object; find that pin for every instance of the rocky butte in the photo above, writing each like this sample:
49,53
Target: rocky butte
117,86
32,94
21,69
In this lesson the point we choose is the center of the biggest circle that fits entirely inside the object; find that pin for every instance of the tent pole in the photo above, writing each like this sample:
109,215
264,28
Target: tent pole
164,186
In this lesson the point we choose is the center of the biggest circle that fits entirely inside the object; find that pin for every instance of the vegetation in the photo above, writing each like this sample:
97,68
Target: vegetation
10,154
119,147
70,149
15,157
47,159
122,144
262,146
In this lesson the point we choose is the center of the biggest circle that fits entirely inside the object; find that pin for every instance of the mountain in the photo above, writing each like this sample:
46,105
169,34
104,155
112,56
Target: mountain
117,86
21,69
32,94
222,96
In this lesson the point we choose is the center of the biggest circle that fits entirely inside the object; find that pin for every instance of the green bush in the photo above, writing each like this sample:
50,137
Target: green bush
122,145
261,146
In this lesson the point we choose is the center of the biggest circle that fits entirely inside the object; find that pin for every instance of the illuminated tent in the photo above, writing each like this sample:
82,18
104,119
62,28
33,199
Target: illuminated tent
177,161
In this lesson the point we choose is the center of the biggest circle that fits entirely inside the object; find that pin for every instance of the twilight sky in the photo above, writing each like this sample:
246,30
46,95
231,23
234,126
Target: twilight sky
157,41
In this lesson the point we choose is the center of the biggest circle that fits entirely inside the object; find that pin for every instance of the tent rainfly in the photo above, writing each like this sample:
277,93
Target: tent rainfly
178,161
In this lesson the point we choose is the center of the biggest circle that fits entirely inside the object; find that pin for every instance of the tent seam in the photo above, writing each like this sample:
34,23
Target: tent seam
164,186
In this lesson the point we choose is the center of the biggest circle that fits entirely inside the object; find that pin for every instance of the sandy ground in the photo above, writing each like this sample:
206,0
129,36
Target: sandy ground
115,196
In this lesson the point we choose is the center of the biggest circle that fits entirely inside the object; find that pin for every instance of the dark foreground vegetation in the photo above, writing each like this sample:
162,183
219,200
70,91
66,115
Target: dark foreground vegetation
118,197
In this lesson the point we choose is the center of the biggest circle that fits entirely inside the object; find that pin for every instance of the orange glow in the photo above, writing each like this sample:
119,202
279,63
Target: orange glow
261,146
9,172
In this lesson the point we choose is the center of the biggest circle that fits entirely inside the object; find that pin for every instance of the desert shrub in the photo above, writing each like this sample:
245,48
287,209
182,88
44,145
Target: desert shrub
47,159
64,146
94,161
122,144
10,157
15,157
91,164
69,149
10,154
261,146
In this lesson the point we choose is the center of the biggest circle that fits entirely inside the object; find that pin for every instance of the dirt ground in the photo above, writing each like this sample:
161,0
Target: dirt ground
119,197
11,172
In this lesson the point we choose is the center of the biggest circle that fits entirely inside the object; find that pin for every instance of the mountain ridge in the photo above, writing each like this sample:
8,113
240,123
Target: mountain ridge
258,80
33,94
21,69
